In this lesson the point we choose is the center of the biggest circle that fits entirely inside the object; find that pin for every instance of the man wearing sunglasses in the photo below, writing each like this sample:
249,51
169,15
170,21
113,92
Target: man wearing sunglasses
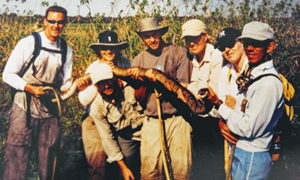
253,114
33,124
117,118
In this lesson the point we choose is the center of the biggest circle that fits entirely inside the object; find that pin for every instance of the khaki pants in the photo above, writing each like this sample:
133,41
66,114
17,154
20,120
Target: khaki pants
178,134
93,148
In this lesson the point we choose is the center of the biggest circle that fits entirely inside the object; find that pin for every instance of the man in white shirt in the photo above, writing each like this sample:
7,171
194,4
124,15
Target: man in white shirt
33,124
253,120
207,63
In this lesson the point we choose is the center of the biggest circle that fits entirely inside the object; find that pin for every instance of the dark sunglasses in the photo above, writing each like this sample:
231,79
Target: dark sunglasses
58,22
227,45
105,84
255,43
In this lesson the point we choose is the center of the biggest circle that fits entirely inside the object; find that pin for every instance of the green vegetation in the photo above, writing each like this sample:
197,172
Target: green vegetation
282,16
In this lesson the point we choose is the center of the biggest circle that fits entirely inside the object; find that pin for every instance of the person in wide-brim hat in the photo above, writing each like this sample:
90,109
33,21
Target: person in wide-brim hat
108,40
150,24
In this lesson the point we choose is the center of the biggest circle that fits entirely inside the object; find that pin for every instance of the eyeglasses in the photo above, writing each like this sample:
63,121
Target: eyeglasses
255,43
58,22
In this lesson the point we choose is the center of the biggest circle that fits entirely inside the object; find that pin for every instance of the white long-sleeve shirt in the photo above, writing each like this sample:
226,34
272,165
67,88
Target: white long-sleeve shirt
47,63
263,109
207,72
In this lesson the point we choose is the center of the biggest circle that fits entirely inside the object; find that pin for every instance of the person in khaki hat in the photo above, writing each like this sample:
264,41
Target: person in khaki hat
254,113
107,49
207,63
172,60
111,132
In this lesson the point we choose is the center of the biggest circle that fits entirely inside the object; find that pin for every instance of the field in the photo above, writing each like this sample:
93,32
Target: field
284,18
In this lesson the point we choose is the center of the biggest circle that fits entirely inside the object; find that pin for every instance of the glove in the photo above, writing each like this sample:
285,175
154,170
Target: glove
226,132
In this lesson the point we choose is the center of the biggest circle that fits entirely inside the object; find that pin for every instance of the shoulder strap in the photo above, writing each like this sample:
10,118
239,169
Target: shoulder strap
261,76
63,45
36,52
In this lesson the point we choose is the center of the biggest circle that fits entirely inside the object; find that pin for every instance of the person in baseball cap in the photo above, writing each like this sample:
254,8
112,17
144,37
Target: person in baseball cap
232,49
227,38
257,38
256,105
207,62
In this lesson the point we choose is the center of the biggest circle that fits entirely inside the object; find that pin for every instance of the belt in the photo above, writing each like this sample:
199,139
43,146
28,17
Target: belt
165,116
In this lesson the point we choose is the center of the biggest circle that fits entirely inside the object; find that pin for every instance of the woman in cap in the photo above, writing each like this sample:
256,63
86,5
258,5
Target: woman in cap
98,144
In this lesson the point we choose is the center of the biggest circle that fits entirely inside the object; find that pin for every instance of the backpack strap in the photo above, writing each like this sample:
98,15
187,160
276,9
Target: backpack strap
36,52
261,76
63,46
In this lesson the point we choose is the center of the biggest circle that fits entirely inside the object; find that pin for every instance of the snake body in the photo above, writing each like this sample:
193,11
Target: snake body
196,106
187,97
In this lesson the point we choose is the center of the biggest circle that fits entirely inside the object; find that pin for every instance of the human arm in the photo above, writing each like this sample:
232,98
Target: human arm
99,112
67,71
18,60
126,172
263,99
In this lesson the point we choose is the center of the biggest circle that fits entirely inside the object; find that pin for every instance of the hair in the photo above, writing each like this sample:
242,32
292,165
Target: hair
56,9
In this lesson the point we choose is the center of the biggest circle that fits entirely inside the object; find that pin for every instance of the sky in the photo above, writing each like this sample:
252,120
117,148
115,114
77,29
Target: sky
73,7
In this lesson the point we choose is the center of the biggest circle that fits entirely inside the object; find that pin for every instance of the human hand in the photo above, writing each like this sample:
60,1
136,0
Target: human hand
230,101
135,73
150,75
126,172
226,132
37,91
82,83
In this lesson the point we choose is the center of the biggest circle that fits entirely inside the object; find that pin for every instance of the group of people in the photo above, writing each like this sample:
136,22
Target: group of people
123,118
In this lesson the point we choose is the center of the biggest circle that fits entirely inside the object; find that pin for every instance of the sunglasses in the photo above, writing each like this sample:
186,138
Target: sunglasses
227,45
58,22
255,43
106,84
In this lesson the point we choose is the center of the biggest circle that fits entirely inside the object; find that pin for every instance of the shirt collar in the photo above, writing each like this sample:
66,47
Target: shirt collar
262,68
207,56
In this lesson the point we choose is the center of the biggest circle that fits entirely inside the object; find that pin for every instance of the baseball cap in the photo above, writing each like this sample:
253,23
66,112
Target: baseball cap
100,72
258,31
193,27
227,38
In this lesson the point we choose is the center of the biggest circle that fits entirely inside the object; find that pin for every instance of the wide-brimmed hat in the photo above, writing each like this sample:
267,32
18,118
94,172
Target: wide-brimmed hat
227,38
100,72
150,24
108,39
258,31
193,27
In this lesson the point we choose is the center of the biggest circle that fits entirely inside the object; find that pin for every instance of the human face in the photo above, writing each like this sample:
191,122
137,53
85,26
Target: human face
196,44
107,54
54,25
255,50
234,54
152,39
106,87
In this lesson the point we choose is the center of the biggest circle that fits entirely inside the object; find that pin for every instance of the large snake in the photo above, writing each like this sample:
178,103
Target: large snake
196,106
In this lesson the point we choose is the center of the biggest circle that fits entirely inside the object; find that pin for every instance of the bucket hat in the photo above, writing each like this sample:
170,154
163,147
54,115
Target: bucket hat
150,24
108,39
